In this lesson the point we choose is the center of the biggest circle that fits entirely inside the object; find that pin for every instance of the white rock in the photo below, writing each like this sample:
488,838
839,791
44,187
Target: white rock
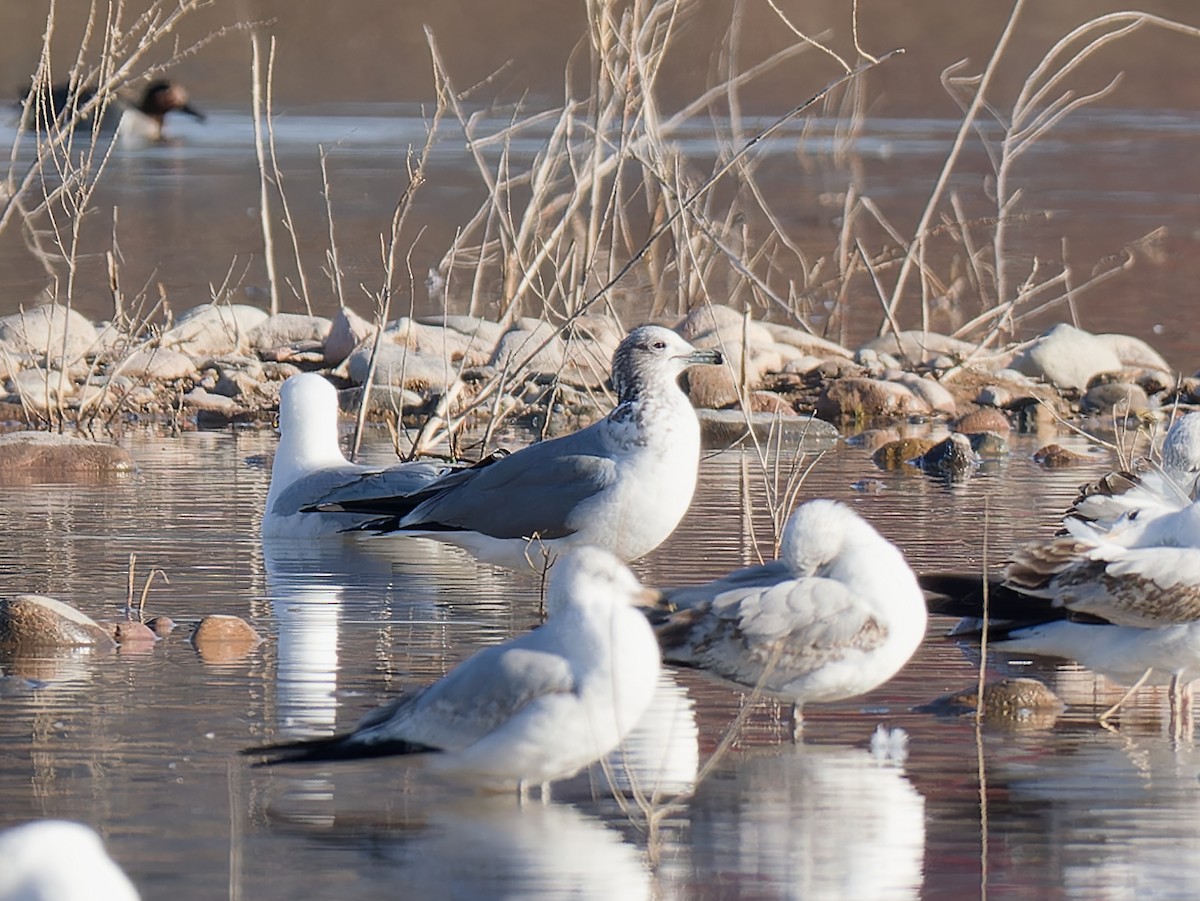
1135,352
518,344
283,329
803,341
402,368
932,392
1067,357
214,329
347,331
163,364
40,389
40,331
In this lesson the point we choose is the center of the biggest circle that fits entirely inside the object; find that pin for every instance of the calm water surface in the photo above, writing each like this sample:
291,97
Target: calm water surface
144,745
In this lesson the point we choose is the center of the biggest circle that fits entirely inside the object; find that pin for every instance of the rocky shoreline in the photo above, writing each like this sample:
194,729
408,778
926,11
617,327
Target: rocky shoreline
221,364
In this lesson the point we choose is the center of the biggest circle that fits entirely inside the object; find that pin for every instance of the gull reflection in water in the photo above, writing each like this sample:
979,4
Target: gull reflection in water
811,822
659,758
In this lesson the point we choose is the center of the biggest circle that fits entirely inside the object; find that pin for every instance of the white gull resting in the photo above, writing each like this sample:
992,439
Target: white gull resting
837,615
56,860
309,466
532,710
622,483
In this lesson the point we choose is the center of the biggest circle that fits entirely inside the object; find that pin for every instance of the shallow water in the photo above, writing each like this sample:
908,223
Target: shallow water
144,745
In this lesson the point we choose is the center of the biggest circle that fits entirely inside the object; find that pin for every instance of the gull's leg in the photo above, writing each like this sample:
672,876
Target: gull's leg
1182,723
1104,717
545,793
522,793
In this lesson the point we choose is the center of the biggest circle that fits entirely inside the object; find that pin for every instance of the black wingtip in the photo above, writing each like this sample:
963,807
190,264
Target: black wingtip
331,749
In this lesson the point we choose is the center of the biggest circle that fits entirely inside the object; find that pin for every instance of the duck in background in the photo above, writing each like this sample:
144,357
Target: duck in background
135,125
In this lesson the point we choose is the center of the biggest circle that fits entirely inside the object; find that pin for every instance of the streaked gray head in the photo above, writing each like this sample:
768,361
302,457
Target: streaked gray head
1181,452
651,358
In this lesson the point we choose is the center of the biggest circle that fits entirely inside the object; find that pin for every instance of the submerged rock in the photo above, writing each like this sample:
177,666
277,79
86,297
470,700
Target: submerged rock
895,454
1018,703
33,621
53,457
220,638
952,457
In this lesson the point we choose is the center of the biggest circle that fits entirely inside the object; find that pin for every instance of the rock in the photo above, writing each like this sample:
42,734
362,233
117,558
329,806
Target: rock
994,396
40,332
861,398
130,632
162,626
988,444
484,330
711,387
516,346
41,389
1134,352
1066,357
199,399
709,318
985,420
384,399
54,457
284,329
220,638
933,393
163,364
918,347
809,345
1055,456
952,457
769,402
801,434
346,332
402,368
895,454
1119,398
213,329
1012,703
33,621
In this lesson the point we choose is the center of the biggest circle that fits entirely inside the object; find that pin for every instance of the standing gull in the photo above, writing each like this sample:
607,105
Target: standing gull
532,710
837,615
622,483
309,466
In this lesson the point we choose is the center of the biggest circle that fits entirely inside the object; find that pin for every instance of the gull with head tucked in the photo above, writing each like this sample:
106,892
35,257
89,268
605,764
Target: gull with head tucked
622,483
529,711
838,614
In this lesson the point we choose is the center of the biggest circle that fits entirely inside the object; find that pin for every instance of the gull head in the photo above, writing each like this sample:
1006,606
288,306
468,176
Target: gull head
815,535
1181,453
308,421
652,357
591,578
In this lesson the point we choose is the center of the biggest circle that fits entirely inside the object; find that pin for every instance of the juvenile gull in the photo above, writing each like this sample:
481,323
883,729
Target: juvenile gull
837,615
622,483
1122,599
310,468
532,710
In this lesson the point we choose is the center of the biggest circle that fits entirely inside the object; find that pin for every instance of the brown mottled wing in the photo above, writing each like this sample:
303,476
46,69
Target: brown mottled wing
790,629
1143,587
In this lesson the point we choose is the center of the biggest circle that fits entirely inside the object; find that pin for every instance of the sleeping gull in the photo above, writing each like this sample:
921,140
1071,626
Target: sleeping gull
837,615
532,710
309,467
622,483
57,860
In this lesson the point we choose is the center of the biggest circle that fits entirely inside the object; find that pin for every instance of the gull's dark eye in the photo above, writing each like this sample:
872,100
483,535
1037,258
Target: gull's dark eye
660,345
